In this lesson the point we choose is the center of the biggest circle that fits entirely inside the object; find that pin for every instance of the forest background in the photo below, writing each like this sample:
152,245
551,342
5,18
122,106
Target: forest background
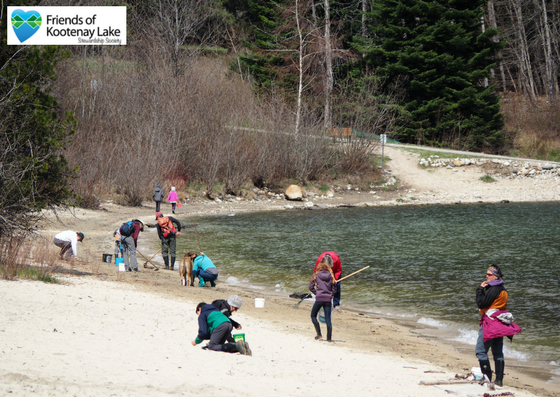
224,95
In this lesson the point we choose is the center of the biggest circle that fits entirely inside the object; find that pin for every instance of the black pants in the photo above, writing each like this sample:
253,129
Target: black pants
221,335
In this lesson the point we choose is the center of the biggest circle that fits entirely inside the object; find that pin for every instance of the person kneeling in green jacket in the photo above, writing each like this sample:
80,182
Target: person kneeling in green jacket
215,326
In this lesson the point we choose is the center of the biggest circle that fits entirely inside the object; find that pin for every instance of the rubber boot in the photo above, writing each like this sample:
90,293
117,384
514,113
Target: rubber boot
318,330
499,372
486,370
212,283
201,282
166,261
172,264
329,334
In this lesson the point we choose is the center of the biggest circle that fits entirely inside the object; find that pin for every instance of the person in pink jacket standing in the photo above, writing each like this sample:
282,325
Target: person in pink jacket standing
172,198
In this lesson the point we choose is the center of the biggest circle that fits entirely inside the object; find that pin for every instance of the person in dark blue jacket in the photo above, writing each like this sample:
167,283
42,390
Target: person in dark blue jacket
215,326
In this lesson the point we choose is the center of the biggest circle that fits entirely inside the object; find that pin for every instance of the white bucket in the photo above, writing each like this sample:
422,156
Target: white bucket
121,267
259,302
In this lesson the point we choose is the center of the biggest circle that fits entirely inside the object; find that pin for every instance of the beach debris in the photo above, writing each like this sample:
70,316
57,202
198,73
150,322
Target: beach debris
446,382
506,393
301,297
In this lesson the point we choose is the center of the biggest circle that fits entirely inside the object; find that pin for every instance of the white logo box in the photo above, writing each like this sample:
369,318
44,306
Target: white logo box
67,25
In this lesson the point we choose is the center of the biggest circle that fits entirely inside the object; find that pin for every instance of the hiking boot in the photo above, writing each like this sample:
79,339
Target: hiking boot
248,351
242,348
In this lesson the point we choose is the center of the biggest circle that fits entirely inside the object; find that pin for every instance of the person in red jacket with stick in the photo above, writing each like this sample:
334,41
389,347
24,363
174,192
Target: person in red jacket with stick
332,259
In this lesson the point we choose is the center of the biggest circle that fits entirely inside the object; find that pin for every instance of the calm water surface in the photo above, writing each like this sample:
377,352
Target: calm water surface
426,261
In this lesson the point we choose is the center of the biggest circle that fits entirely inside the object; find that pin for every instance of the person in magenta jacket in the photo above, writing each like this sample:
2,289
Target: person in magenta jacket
172,198
491,299
323,286
333,261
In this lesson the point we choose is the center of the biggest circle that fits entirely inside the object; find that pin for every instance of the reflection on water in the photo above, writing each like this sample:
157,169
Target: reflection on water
425,260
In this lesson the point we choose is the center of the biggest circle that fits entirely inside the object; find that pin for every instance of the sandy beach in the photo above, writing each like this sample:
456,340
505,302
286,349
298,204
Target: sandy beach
103,333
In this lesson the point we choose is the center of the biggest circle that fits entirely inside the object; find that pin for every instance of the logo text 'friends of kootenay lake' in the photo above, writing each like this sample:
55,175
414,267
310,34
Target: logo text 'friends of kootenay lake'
67,26
26,23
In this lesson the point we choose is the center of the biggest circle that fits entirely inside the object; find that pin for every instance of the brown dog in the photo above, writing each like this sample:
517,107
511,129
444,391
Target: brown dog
185,269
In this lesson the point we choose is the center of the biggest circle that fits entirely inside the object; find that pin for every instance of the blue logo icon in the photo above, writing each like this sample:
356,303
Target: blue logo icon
26,24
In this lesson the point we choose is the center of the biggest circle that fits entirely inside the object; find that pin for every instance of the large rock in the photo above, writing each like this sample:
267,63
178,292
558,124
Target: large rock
294,192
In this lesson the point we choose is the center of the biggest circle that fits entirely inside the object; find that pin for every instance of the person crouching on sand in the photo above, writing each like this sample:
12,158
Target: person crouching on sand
323,286
65,241
229,306
214,325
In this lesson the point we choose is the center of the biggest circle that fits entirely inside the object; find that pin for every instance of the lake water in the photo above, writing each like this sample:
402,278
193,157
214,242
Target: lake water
425,263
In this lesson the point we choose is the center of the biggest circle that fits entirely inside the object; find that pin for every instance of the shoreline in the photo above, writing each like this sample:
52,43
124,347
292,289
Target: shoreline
390,335
359,332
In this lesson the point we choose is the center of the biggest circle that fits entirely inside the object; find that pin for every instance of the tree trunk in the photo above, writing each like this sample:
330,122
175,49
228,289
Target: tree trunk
523,51
549,63
329,79
494,25
300,70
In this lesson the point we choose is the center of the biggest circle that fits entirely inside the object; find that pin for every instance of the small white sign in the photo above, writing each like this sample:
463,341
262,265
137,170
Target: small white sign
67,25
383,138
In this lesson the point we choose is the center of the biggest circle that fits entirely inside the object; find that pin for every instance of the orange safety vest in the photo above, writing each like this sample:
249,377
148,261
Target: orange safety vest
166,226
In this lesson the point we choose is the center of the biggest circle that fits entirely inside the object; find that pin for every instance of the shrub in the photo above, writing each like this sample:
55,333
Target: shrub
487,179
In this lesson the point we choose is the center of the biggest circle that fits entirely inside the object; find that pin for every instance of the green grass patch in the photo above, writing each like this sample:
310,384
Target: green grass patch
554,155
324,189
487,179
37,273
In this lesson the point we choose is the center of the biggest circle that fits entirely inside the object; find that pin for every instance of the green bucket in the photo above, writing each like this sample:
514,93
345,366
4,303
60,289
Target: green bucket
239,337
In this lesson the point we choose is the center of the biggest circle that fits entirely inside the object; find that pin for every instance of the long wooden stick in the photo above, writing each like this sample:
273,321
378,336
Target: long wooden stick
357,271
145,257
198,238
158,251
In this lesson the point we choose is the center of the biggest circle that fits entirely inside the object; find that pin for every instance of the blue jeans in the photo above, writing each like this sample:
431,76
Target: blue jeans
206,276
336,297
495,344
315,310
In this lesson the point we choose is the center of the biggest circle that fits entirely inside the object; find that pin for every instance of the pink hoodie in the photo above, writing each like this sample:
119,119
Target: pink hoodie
172,197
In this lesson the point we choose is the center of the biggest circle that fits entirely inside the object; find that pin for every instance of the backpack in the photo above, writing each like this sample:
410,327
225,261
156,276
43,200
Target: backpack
166,226
126,228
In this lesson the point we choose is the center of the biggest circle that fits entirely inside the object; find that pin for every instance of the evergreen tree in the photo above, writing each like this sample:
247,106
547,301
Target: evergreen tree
440,48
33,172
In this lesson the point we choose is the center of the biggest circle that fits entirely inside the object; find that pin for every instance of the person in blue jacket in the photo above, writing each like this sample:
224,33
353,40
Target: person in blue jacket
215,326
204,269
